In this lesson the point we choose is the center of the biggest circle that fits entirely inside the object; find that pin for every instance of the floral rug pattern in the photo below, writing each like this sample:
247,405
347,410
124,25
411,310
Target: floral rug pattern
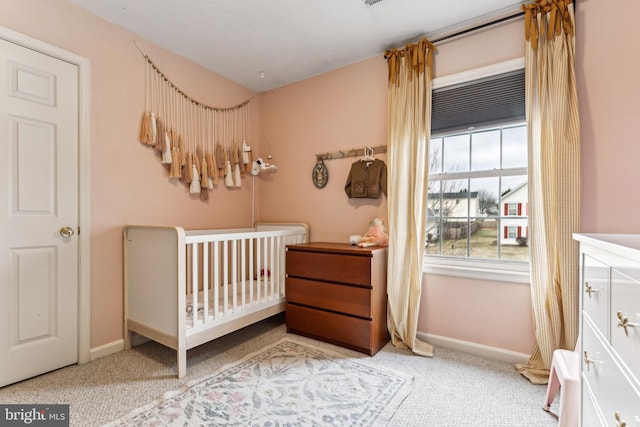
286,384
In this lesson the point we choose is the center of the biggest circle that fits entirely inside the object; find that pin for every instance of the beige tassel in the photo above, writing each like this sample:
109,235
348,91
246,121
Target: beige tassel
166,153
220,159
145,129
194,188
204,194
174,172
236,158
172,142
196,163
213,172
160,142
154,129
228,178
237,176
204,174
187,175
183,154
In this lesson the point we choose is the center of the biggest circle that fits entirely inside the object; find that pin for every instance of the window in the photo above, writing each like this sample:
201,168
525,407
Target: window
477,189
512,209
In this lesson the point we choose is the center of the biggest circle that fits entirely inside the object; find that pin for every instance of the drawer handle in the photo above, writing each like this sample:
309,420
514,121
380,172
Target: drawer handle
589,289
624,323
588,361
619,422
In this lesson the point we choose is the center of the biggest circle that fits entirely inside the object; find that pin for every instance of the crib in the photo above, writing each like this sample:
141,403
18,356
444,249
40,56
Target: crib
183,288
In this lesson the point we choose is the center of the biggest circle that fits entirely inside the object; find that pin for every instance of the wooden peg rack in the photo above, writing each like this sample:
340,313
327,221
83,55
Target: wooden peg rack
354,152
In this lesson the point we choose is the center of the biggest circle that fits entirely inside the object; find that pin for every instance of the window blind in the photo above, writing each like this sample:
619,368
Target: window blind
486,101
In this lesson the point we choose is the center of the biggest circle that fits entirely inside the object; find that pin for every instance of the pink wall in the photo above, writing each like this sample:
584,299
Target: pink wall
343,109
608,92
128,184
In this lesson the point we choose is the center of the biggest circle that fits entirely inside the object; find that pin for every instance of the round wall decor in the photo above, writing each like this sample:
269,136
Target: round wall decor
320,175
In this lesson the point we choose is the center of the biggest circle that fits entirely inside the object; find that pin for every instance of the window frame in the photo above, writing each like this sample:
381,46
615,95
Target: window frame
494,270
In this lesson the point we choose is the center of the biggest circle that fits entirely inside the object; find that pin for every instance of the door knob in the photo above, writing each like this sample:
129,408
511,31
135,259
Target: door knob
66,231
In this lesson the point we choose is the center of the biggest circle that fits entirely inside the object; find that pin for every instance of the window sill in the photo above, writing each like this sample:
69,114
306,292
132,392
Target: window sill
480,270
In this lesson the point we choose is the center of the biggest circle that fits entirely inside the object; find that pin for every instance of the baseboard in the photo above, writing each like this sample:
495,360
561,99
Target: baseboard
106,349
474,348
436,340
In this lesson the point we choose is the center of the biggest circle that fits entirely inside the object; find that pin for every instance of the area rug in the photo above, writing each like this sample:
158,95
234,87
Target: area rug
285,384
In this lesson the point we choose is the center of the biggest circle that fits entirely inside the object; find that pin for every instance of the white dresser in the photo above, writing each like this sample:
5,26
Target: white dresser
610,329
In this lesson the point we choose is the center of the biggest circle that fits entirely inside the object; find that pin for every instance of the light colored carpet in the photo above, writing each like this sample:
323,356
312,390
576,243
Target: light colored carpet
450,389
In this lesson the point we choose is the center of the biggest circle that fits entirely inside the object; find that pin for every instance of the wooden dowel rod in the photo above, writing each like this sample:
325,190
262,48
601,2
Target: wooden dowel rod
354,152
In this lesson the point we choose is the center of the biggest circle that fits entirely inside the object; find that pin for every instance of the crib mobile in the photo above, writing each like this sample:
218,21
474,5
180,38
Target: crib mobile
198,144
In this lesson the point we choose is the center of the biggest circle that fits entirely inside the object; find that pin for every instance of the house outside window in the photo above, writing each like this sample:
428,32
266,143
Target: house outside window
515,229
477,188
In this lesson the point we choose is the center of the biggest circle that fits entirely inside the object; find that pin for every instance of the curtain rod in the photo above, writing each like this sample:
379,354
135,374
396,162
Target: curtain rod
478,27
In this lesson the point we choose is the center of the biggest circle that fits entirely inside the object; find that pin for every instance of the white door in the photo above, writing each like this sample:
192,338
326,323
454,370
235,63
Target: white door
38,213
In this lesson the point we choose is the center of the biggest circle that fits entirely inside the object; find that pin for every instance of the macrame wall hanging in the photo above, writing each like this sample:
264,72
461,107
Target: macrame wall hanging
198,144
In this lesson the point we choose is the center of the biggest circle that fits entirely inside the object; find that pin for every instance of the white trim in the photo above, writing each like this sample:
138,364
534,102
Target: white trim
482,350
106,349
84,178
490,271
479,73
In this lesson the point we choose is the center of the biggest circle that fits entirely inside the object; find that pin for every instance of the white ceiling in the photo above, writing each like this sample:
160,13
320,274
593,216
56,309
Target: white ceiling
263,44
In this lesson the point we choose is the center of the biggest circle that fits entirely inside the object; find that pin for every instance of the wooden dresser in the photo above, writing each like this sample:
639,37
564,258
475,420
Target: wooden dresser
610,329
338,293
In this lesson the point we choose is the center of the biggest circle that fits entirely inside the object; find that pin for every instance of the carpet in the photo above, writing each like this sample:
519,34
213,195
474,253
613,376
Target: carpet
284,384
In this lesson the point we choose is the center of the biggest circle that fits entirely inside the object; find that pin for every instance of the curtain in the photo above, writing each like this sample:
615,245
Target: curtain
554,180
409,116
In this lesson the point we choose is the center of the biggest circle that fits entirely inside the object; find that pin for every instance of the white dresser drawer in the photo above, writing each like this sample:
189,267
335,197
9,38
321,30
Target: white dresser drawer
625,299
590,415
610,387
595,292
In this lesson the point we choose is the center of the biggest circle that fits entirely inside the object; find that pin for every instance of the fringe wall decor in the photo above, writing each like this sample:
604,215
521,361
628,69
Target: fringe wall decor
198,144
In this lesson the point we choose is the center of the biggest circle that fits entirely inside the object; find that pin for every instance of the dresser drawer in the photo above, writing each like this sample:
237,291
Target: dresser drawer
351,300
625,299
349,331
590,415
353,269
606,380
595,292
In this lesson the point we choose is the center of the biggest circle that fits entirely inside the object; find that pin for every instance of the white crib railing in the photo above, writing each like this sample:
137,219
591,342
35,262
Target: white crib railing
231,274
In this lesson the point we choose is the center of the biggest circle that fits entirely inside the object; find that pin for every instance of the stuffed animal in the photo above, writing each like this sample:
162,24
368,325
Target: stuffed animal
376,235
